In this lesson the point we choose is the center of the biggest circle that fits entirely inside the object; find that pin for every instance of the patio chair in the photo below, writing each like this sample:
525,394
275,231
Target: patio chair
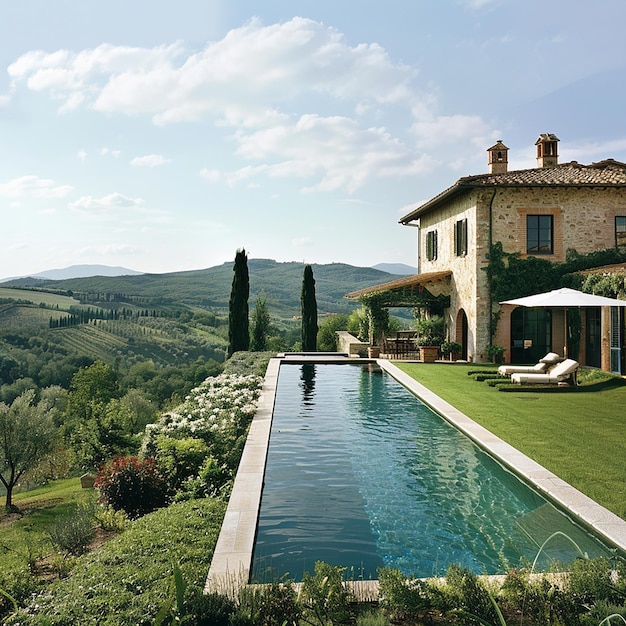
544,364
563,372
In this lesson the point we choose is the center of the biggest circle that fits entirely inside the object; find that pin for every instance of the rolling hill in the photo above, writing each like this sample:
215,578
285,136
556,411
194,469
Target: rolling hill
210,288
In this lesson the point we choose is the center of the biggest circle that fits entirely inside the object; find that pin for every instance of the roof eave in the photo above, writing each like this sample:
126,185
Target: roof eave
432,203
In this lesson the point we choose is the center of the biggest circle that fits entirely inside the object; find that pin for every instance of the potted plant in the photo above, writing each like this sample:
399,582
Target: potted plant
430,335
452,348
495,353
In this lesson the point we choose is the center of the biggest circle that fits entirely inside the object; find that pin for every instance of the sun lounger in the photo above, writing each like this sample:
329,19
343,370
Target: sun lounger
563,372
552,358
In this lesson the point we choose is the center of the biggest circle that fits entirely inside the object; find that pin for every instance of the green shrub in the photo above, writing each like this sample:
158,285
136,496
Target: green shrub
179,459
210,609
467,595
15,586
590,581
325,599
72,533
211,481
402,597
111,520
131,485
528,598
279,605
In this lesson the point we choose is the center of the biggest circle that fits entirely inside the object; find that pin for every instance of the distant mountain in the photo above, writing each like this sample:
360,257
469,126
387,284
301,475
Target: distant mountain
396,268
279,283
79,271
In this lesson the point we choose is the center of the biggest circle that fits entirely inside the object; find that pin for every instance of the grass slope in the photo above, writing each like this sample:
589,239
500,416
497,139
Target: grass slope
577,434
128,579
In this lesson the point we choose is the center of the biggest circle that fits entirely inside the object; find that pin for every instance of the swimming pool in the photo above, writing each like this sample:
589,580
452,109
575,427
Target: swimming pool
361,473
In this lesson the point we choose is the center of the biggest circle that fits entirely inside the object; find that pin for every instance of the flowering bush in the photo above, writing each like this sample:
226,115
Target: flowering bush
131,485
218,413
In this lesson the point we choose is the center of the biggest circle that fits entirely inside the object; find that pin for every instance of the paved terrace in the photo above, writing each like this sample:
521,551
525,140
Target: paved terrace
232,561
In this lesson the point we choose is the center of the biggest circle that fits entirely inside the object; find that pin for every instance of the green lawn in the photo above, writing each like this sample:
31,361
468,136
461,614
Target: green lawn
578,434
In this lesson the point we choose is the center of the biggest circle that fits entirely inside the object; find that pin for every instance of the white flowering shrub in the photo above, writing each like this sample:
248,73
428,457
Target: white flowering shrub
215,414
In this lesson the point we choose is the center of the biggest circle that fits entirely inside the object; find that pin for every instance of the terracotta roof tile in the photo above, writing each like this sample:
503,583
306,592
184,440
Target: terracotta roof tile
607,173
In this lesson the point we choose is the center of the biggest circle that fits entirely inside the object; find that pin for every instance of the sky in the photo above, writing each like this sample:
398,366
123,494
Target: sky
163,136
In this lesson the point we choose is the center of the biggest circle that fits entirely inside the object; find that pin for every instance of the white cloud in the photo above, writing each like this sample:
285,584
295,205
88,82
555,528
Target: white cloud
212,176
106,208
82,156
150,160
241,77
265,81
583,152
333,148
479,4
113,250
33,186
117,207
451,129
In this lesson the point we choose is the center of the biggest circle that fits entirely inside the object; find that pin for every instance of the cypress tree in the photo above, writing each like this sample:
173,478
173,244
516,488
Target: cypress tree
309,311
238,321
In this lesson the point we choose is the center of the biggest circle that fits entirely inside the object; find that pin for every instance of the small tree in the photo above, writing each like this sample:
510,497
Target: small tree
238,321
309,311
260,325
27,434
327,331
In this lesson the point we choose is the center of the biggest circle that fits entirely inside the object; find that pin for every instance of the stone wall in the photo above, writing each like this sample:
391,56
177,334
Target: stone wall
584,218
350,344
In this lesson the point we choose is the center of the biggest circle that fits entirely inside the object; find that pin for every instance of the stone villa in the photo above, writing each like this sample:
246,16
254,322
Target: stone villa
543,212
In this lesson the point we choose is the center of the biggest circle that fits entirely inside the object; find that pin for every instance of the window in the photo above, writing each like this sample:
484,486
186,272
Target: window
539,229
620,230
431,245
460,238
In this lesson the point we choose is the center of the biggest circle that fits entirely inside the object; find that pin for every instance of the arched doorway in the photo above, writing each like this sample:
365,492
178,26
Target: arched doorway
462,332
531,334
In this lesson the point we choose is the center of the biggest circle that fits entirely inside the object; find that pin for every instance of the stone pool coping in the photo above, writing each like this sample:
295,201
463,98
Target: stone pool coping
232,559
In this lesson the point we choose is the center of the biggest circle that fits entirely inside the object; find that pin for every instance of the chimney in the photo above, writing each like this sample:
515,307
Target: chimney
547,150
498,158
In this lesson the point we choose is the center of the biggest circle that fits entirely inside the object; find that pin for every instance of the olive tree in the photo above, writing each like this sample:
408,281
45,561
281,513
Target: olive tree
27,434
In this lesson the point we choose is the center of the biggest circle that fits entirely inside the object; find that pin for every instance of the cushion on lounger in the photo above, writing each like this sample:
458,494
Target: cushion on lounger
565,368
551,357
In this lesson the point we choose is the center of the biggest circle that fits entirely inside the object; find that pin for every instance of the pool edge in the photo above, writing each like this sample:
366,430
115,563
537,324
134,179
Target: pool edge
580,507
231,564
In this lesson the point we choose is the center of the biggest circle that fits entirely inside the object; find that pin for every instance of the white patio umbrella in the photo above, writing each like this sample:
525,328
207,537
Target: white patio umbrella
565,298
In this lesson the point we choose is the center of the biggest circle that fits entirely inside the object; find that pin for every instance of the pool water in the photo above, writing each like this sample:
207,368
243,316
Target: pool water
360,473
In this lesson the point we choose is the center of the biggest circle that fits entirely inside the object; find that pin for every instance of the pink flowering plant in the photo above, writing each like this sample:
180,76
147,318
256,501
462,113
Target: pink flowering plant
213,419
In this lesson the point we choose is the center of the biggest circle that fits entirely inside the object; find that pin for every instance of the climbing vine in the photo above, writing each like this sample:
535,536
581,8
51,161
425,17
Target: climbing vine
509,276
377,316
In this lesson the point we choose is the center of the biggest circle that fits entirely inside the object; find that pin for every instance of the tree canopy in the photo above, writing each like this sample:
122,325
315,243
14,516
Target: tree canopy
27,434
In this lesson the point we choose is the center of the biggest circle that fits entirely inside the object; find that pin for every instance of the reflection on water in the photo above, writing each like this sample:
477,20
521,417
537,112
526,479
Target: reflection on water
360,473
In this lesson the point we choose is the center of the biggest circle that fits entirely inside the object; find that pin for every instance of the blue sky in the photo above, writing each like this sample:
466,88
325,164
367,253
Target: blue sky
164,136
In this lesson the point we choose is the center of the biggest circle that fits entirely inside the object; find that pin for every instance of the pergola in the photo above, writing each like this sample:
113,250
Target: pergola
429,290
419,290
